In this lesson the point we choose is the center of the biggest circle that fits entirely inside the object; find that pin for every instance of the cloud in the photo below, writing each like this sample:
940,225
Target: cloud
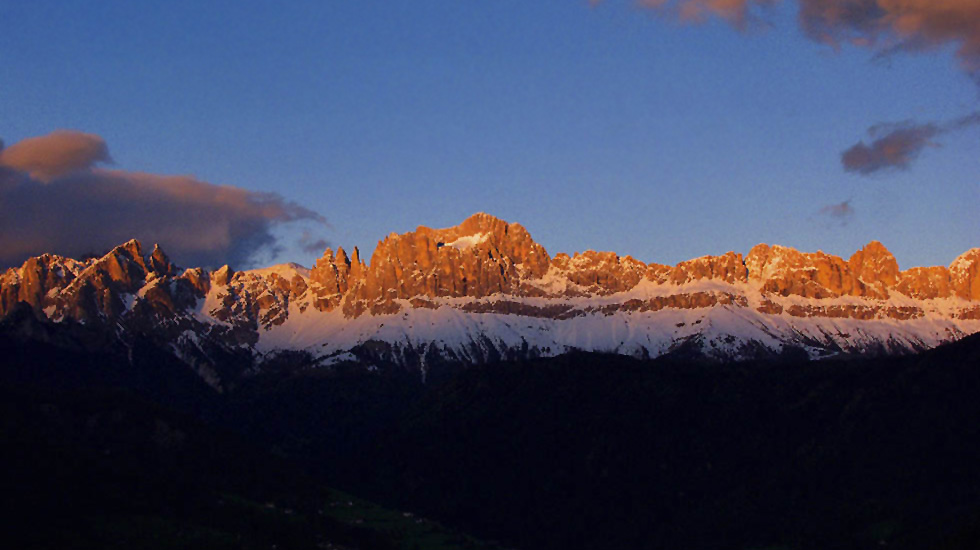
737,12
963,122
841,212
886,26
896,146
310,244
896,149
56,154
61,203
891,25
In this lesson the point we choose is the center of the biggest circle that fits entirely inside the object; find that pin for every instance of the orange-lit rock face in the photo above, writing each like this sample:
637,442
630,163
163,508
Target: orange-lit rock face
485,256
924,283
95,289
964,275
600,272
728,267
480,257
788,272
160,264
332,272
874,264
483,265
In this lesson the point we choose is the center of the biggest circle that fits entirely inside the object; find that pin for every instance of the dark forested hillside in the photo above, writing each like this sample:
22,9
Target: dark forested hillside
123,449
580,451
592,451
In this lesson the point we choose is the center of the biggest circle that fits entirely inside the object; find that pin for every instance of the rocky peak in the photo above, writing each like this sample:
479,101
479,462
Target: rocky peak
964,275
480,235
160,263
481,256
97,292
123,265
332,271
357,267
960,279
222,276
32,282
874,264
198,279
764,261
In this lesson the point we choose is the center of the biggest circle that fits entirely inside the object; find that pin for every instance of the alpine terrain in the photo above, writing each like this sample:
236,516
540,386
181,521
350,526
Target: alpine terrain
485,291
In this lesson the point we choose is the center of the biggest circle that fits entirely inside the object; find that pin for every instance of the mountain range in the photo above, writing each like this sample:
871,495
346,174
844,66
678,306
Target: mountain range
473,385
484,291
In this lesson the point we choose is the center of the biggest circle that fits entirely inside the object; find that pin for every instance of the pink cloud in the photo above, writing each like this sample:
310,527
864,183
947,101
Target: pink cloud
897,24
883,25
56,154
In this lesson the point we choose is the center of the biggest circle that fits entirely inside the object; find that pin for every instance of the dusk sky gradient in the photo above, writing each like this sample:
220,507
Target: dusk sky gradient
612,125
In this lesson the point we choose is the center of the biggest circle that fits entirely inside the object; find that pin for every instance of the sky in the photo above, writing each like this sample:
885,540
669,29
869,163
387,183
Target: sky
254,133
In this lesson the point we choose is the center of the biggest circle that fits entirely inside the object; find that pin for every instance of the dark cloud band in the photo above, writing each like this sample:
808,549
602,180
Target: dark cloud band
52,199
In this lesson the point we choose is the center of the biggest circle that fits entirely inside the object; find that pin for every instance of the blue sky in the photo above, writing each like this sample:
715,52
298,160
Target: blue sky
604,126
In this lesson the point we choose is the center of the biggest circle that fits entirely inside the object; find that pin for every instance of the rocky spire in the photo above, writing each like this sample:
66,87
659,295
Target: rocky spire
160,263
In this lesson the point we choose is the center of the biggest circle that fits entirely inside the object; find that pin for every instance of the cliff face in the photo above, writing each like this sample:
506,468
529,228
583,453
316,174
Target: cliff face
484,256
777,295
480,257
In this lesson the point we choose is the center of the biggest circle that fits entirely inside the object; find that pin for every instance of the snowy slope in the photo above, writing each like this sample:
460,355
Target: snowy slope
722,331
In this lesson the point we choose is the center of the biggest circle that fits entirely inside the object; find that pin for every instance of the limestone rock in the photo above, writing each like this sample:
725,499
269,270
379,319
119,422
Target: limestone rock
160,263
480,257
727,267
222,276
964,275
600,272
874,264
924,283
789,272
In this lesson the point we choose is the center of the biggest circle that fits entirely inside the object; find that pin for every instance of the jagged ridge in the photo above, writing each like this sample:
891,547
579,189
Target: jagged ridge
486,290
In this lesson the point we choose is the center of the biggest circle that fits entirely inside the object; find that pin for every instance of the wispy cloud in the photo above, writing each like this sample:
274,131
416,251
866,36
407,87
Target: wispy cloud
737,12
896,146
893,25
54,198
885,26
311,244
841,213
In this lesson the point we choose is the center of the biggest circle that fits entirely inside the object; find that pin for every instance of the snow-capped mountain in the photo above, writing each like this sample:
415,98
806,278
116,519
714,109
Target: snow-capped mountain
484,291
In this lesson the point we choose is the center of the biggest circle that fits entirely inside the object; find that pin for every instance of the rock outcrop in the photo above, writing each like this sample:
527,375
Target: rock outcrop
480,257
874,265
729,268
599,273
788,272
964,275
485,267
